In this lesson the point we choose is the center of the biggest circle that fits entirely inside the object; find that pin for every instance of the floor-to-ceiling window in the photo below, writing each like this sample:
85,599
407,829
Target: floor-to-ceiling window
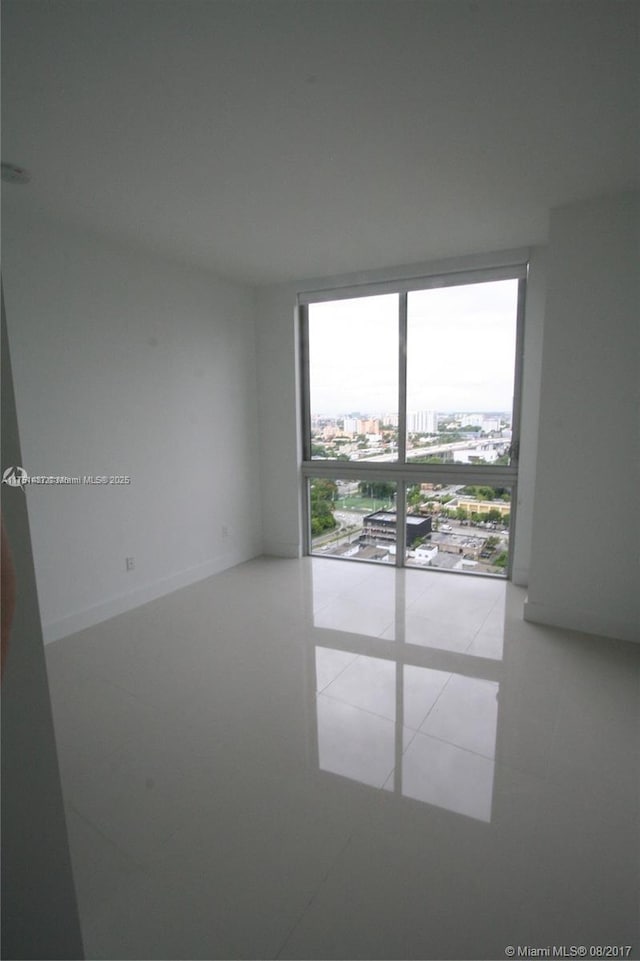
411,402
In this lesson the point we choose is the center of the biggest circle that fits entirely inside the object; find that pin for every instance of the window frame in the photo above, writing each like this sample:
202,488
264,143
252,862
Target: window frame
401,471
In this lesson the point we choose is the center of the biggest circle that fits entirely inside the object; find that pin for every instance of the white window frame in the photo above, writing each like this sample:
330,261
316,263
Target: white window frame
401,471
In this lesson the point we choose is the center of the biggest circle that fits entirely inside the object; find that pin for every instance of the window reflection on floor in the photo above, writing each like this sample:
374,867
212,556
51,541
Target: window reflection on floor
423,608
377,719
386,719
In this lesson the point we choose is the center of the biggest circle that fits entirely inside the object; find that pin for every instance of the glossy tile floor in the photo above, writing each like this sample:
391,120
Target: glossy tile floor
324,759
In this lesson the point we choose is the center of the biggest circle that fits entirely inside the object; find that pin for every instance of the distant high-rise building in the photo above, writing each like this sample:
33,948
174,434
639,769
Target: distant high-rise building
490,423
350,425
472,420
369,426
422,422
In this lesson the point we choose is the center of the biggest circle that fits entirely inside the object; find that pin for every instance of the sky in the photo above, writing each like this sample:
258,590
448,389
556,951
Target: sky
460,351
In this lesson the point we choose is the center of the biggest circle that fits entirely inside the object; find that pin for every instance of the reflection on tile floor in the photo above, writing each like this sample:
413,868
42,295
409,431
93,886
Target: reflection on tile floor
316,759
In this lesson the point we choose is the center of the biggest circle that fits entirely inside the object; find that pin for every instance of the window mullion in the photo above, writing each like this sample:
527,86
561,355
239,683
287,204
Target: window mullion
303,328
401,492
402,378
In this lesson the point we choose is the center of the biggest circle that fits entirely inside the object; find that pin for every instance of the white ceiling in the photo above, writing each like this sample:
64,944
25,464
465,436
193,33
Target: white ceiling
279,139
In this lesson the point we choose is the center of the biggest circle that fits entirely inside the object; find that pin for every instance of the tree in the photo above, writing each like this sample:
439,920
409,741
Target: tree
317,450
381,490
323,489
322,495
414,496
432,459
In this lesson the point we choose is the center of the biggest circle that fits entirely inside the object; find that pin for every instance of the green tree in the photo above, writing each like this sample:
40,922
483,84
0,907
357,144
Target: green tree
414,496
381,490
322,495
323,489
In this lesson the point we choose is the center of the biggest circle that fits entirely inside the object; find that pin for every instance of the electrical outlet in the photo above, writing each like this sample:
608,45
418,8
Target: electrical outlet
129,563
225,530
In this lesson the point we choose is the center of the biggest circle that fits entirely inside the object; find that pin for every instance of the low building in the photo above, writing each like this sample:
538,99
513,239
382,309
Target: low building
482,507
381,527
425,553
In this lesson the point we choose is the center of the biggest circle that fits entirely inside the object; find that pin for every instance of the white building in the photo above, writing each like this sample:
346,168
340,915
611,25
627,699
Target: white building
422,422
490,424
472,420
425,553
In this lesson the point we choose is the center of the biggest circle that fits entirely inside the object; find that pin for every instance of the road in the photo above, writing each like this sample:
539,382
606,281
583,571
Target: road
438,449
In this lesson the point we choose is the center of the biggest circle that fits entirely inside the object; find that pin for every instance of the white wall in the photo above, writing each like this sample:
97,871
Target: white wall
585,571
280,449
280,404
125,364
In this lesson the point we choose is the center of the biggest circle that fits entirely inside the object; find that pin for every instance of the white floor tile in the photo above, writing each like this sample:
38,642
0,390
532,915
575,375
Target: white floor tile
315,759
448,776
354,743
330,664
466,714
357,614
368,683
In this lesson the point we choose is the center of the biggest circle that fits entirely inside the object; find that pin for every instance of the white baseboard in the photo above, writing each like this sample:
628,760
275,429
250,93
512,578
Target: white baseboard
585,621
520,576
281,549
78,621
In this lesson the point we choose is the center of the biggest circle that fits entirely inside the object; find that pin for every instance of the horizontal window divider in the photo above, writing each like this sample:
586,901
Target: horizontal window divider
412,473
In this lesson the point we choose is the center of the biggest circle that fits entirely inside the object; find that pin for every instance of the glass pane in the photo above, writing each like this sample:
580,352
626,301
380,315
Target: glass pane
353,519
353,379
469,527
461,348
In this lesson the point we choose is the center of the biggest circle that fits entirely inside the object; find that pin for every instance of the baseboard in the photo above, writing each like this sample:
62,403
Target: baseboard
55,630
520,576
281,549
585,621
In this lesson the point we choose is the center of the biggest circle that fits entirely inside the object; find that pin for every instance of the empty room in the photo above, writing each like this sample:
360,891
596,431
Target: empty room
320,474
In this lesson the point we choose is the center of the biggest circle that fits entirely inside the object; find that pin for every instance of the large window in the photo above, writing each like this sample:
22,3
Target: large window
411,407
461,350
353,378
